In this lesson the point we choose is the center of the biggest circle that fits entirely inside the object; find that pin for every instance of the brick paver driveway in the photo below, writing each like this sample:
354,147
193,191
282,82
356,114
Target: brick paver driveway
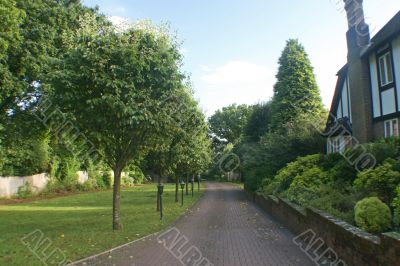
223,228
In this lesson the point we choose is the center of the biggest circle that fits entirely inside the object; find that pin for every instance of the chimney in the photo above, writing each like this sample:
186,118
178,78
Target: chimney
358,34
358,38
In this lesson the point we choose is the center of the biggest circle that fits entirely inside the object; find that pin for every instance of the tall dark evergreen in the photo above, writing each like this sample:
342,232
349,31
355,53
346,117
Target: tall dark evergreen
296,90
259,121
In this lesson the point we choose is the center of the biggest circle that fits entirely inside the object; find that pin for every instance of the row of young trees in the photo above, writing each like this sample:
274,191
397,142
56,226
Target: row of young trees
106,96
267,136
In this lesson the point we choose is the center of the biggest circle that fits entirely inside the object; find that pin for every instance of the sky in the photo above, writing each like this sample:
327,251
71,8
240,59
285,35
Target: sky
231,47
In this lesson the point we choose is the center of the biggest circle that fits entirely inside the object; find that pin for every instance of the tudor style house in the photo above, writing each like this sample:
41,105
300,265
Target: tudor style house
366,102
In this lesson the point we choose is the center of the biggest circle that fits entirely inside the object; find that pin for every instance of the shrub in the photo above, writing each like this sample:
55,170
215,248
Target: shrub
339,204
89,185
382,150
340,171
372,215
24,191
306,186
107,178
396,206
95,176
136,175
285,176
382,181
127,180
25,155
54,187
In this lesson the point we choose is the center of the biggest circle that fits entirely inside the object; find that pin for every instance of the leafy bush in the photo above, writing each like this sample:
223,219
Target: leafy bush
382,150
96,176
285,176
136,174
335,202
252,157
372,215
340,172
381,181
396,206
24,155
89,185
55,186
24,191
127,180
107,178
306,186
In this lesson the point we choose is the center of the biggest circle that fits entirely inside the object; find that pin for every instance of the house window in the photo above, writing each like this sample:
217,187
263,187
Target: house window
339,144
386,69
391,128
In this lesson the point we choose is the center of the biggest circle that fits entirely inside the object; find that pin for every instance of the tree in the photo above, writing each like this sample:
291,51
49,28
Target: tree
258,122
112,84
10,38
35,37
229,122
189,147
296,90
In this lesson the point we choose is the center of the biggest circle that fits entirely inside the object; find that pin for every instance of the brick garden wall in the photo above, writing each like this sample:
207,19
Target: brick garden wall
352,245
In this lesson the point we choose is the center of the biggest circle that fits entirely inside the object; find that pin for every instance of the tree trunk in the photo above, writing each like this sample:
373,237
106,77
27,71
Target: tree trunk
117,200
187,185
158,195
176,189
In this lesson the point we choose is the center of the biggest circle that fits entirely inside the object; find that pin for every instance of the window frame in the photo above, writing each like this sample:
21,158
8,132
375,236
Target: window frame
393,130
387,60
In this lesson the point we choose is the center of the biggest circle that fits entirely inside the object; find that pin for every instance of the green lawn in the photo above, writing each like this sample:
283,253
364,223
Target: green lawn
81,225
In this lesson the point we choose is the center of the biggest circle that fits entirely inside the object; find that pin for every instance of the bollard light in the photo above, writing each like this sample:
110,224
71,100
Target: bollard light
182,187
160,188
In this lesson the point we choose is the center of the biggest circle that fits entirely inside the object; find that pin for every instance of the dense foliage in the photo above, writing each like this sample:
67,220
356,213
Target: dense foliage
277,132
332,184
78,94
296,90
229,122
372,215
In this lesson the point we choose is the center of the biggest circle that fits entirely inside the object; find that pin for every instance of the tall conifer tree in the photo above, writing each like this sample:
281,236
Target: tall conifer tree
296,90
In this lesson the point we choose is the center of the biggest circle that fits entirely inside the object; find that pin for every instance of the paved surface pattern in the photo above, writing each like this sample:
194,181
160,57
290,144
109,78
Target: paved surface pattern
225,227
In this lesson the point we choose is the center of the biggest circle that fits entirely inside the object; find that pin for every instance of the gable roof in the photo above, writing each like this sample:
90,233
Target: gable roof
338,89
391,29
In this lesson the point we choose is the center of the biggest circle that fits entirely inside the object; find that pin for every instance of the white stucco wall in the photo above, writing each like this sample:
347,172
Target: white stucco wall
376,105
396,63
9,185
82,176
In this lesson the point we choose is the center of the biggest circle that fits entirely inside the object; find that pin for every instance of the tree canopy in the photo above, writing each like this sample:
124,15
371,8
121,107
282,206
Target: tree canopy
112,85
296,90
229,122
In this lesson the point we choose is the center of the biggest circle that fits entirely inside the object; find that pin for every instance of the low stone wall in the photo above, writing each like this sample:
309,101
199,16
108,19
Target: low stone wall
352,245
9,185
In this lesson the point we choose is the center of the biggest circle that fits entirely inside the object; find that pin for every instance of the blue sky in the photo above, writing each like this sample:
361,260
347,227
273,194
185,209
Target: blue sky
231,47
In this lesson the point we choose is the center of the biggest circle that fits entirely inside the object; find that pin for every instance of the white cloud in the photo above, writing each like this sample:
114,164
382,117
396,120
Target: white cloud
240,82
116,20
120,23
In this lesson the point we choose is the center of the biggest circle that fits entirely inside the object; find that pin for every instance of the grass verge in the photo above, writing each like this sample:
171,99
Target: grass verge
81,225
